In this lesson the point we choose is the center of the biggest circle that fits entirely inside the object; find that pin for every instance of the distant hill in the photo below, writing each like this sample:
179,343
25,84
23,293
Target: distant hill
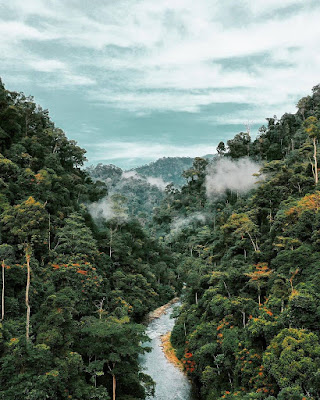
142,193
143,187
168,168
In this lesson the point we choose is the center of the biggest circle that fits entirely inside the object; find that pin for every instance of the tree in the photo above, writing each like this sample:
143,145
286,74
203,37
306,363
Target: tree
259,278
312,128
197,171
75,238
293,358
221,148
6,255
239,146
114,345
28,223
241,225
303,104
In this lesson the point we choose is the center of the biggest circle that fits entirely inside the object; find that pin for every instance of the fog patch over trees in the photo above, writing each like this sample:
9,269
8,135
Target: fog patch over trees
110,207
151,180
235,175
179,224
158,182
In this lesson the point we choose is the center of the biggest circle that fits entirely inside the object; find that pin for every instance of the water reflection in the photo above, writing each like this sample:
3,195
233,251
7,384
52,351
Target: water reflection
171,383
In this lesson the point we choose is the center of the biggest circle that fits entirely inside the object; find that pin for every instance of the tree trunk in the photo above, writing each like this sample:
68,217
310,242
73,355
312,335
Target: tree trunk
2,294
255,245
110,251
28,256
49,235
243,319
315,161
226,287
217,365
114,384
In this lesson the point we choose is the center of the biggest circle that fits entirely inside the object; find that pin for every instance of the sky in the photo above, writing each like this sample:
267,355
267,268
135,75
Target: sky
133,81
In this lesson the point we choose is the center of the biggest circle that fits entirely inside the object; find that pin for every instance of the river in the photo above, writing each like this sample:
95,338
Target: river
171,383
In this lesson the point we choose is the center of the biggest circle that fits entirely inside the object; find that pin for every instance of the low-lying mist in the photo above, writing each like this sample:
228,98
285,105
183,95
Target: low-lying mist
234,175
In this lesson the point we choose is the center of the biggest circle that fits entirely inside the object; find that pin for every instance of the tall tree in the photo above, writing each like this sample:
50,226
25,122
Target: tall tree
312,128
6,255
115,344
28,223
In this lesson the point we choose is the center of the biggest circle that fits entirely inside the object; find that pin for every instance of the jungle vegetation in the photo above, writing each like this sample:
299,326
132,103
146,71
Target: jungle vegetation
74,289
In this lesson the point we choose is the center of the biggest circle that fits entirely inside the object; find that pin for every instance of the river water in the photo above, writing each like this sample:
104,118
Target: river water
171,383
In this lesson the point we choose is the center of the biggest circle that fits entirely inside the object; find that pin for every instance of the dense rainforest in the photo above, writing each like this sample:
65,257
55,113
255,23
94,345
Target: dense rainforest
74,290
144,187
240,240
140,194
248,327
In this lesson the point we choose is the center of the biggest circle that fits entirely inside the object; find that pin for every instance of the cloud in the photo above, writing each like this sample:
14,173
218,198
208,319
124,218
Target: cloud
130,175
234,175
114,150
151,180
47,65
158,182
174,55
107,209
179,224
102,210
252,115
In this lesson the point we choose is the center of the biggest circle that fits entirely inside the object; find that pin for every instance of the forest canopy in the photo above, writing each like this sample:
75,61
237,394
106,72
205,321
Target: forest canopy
74,291
239,241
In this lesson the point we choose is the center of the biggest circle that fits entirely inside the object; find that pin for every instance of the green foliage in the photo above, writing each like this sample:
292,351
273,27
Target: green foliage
293,359
75,238
248,327
86,301
170,169
249,321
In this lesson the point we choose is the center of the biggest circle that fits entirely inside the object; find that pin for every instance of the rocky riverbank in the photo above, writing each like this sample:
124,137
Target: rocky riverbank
169,351
159,311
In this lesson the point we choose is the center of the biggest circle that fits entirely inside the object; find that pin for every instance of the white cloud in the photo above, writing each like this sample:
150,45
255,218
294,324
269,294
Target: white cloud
175,55
47,65
153,181
179,224
158,182
235,175
107,209
109,151
130,175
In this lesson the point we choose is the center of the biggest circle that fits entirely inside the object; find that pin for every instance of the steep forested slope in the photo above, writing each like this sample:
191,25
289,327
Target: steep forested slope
249,324
73,291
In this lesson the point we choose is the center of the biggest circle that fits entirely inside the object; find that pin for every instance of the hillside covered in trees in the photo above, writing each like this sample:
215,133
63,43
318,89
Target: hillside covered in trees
79,272
144,187
74,290
140,194
170,169
248,327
